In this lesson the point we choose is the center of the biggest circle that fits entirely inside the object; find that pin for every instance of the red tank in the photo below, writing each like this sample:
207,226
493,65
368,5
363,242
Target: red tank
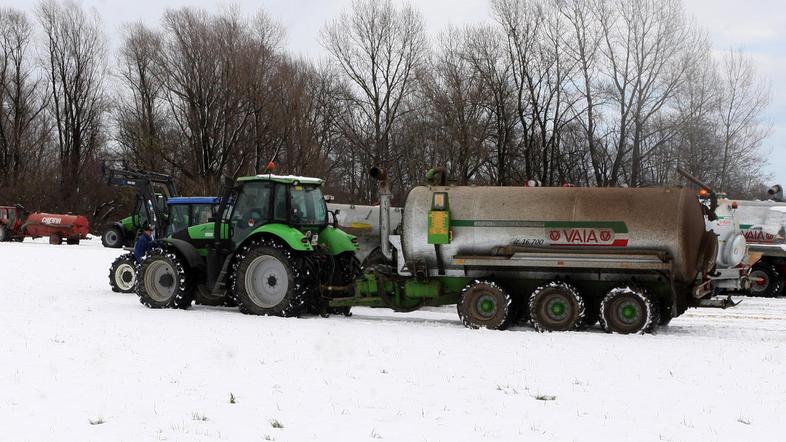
70,228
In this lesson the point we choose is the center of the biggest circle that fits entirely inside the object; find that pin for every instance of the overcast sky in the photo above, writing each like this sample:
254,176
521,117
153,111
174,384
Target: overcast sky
757,26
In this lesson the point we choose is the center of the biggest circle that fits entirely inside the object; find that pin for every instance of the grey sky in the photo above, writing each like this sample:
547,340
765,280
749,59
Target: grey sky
757,26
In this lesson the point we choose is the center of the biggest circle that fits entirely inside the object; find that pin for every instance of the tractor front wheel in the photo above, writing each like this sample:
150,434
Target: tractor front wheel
112,238
163,281
122,273
269,281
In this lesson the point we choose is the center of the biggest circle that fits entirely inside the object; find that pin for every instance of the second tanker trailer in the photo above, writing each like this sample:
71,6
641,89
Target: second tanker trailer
563,257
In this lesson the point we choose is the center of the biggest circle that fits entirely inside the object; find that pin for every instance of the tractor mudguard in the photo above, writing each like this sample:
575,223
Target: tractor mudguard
187,251
290,235
336,241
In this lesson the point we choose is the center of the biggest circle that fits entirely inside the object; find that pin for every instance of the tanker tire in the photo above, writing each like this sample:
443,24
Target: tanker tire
629,310
112,238
259,281
485,304
122,274
4,235
557,306
773,281
55,239
163,281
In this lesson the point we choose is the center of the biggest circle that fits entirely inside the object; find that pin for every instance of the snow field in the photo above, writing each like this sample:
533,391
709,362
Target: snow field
79,362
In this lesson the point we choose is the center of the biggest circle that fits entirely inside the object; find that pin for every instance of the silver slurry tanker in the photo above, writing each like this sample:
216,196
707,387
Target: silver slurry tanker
561,257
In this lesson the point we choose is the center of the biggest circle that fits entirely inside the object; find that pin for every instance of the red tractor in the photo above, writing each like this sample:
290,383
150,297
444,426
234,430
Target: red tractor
16,223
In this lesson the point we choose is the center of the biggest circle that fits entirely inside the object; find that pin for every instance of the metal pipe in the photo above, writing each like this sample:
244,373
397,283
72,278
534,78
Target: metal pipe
379,174
711,215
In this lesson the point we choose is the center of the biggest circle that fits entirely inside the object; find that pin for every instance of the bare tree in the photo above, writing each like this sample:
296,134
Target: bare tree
378,47
743,99
22,129
76,68
140,112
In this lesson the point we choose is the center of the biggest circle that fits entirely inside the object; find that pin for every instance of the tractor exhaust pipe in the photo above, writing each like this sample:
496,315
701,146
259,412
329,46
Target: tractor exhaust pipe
379,174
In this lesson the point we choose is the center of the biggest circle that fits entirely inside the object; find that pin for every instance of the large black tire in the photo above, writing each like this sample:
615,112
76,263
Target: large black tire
72,241
485,304
5,235
269,281
629,309
163,281
55,239
112,237
122,274
766,280
557,306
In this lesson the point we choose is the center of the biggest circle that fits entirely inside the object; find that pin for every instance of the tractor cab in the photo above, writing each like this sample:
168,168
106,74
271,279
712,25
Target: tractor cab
184,212
296,202
11,220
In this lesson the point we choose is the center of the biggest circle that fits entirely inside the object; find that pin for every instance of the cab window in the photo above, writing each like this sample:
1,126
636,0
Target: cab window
252,208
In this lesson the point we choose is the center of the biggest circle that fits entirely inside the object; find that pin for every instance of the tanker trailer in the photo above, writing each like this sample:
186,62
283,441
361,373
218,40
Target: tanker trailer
363,222
71,228
563,258
763,224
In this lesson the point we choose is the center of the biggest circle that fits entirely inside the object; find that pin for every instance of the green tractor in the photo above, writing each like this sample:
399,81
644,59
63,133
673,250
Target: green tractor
271,250
153,189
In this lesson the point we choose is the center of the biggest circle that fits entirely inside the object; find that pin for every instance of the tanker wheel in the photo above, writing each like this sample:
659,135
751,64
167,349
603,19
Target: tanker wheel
163,281
629,309
484,304
556,306
122,273
269,281
55,239
4,235
112,238
766,281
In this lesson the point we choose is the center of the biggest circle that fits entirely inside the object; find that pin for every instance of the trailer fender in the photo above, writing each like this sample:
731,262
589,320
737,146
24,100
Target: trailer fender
187,251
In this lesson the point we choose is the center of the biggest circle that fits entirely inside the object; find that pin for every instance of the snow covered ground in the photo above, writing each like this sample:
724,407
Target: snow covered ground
79,362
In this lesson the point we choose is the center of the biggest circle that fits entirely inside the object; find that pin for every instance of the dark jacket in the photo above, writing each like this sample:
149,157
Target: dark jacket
143,245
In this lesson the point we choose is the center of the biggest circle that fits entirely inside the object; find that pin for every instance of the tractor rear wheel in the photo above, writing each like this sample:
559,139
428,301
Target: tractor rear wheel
122,273
163,281
766,281
269,281
629,309
485,304
112,238
556,306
